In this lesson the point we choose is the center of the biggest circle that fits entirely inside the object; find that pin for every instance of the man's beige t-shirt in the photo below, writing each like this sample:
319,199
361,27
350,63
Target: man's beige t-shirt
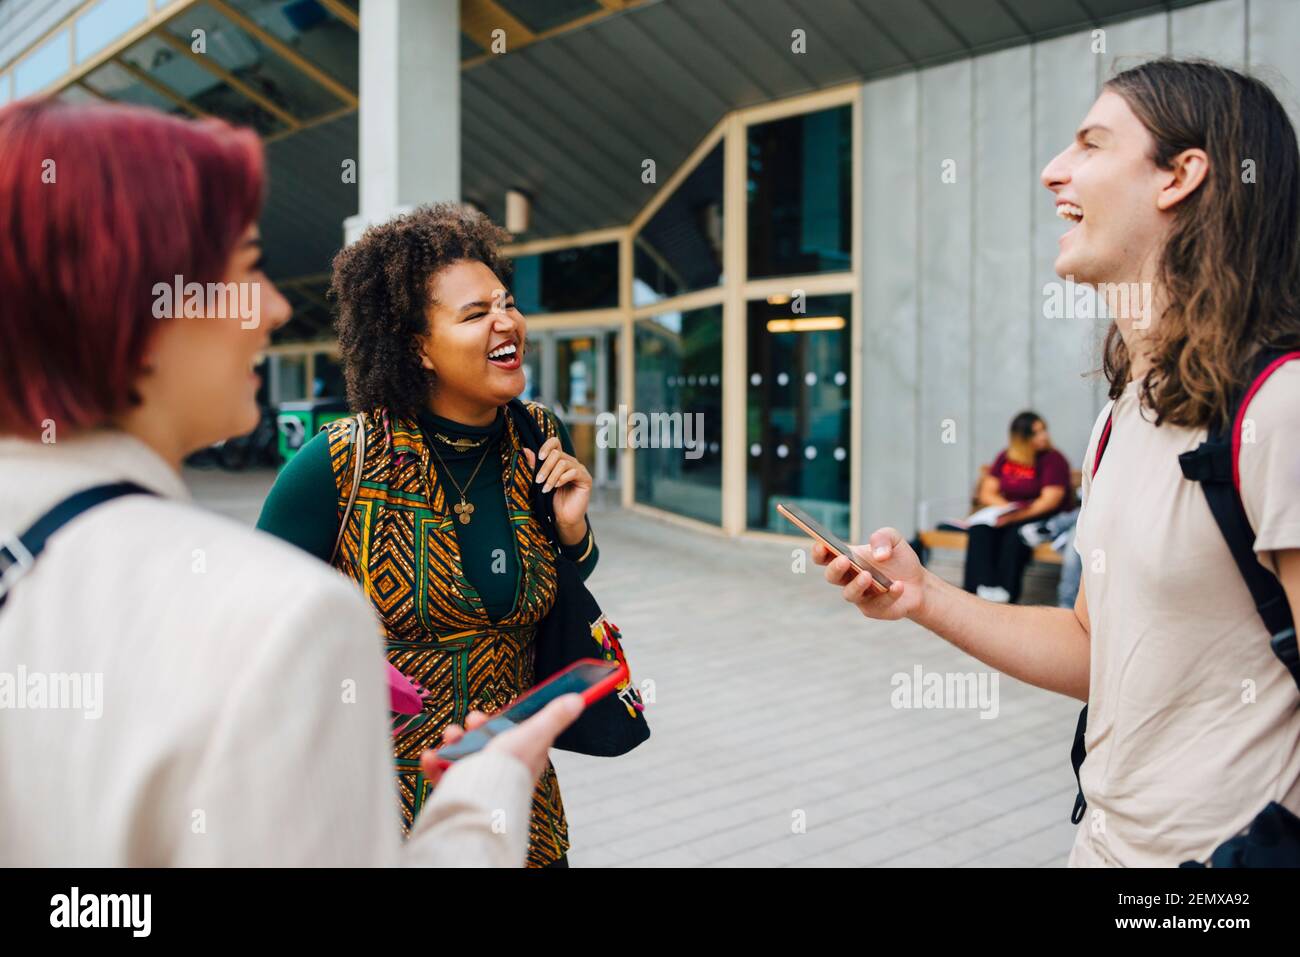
1193,723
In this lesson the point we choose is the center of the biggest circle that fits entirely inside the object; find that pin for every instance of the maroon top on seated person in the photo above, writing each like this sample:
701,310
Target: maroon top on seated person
1032,474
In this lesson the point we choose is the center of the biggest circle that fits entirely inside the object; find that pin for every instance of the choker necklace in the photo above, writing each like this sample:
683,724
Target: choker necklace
461,444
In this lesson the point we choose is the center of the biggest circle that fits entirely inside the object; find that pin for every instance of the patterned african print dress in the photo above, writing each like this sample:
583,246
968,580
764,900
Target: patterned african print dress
400,543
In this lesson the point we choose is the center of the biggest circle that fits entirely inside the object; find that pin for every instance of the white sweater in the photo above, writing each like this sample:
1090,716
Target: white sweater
177,689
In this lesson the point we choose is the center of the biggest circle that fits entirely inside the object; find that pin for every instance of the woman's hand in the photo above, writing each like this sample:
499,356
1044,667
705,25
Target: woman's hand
1009,518
572,484
893,556
530,741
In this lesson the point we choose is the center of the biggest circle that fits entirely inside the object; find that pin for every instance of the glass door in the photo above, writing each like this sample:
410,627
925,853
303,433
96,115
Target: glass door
573,371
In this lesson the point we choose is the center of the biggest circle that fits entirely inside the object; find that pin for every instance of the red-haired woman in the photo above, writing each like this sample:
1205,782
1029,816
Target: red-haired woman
194,692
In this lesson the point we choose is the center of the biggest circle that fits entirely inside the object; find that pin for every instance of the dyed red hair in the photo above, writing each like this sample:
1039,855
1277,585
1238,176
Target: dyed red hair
98,204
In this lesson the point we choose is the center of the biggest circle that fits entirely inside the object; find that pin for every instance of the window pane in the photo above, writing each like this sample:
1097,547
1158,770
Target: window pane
104,22
567,280
532,367
577,369
45,65
72,93
186,78
115,83
329,382
800,194
679,370
291,378
311,30
243,55
798,412
613,397
680,248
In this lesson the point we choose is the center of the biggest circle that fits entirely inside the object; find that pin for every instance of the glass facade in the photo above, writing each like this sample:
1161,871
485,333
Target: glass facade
246,58
679,398
680,249
112,80
172,69
798,412
312,31
306,29
567,280
800,194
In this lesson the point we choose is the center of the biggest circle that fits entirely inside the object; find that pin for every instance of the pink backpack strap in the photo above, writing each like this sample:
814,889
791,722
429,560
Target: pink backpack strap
1255,386
1101,442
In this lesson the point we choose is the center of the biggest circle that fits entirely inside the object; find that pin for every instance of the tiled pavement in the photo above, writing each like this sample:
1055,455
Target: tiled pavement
773,710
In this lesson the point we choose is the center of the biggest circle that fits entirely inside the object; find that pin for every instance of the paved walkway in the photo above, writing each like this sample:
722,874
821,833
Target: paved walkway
775,741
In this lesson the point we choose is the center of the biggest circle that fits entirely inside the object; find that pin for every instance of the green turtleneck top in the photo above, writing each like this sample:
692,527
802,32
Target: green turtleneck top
302,506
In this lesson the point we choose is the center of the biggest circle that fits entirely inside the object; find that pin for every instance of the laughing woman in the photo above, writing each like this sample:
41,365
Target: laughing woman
441,536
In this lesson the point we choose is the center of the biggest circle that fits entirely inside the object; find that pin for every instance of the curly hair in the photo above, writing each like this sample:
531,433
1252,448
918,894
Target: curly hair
382,286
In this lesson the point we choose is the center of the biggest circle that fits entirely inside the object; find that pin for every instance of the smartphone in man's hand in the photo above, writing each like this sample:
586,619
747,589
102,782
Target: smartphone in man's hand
810,527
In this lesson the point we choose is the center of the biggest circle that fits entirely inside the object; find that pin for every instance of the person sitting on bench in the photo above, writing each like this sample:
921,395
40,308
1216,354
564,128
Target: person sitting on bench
1029,472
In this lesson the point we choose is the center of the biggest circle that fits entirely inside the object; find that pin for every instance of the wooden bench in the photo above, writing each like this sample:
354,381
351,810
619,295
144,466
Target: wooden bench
956,541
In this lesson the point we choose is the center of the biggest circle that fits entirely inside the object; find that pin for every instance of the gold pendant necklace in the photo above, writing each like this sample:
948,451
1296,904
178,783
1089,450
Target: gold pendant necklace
464,509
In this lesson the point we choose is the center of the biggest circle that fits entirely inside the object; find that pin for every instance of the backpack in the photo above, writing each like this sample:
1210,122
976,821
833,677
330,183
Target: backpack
1215,463
19,552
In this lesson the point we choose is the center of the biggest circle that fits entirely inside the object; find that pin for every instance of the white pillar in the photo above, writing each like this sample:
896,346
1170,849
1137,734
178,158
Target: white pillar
409,129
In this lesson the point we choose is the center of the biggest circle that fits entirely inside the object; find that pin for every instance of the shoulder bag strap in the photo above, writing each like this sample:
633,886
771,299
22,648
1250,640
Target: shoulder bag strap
358,462
532,437
18,553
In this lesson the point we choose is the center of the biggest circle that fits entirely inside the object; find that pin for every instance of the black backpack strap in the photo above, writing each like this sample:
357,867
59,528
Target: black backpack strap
1077,754
18,553
1215,464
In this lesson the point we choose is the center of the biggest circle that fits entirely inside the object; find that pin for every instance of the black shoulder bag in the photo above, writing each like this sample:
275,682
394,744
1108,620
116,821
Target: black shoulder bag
575,628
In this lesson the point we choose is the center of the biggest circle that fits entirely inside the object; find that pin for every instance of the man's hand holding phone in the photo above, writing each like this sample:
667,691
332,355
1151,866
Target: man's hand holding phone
888,551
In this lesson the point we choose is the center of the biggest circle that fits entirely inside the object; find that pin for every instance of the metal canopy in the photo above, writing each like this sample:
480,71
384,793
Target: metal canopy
571,120
588,91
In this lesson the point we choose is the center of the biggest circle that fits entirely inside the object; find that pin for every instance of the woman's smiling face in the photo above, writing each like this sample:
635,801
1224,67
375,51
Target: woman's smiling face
476,339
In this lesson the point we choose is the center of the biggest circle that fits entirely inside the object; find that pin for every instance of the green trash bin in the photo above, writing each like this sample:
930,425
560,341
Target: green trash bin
299,421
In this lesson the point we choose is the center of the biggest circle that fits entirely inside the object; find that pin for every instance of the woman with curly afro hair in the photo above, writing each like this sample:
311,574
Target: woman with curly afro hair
441,535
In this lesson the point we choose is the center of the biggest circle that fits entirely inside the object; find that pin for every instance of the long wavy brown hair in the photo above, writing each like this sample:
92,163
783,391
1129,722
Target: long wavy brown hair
1231,267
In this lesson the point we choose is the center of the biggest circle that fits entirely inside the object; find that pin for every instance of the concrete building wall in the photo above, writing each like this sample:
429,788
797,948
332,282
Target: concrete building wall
955,340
